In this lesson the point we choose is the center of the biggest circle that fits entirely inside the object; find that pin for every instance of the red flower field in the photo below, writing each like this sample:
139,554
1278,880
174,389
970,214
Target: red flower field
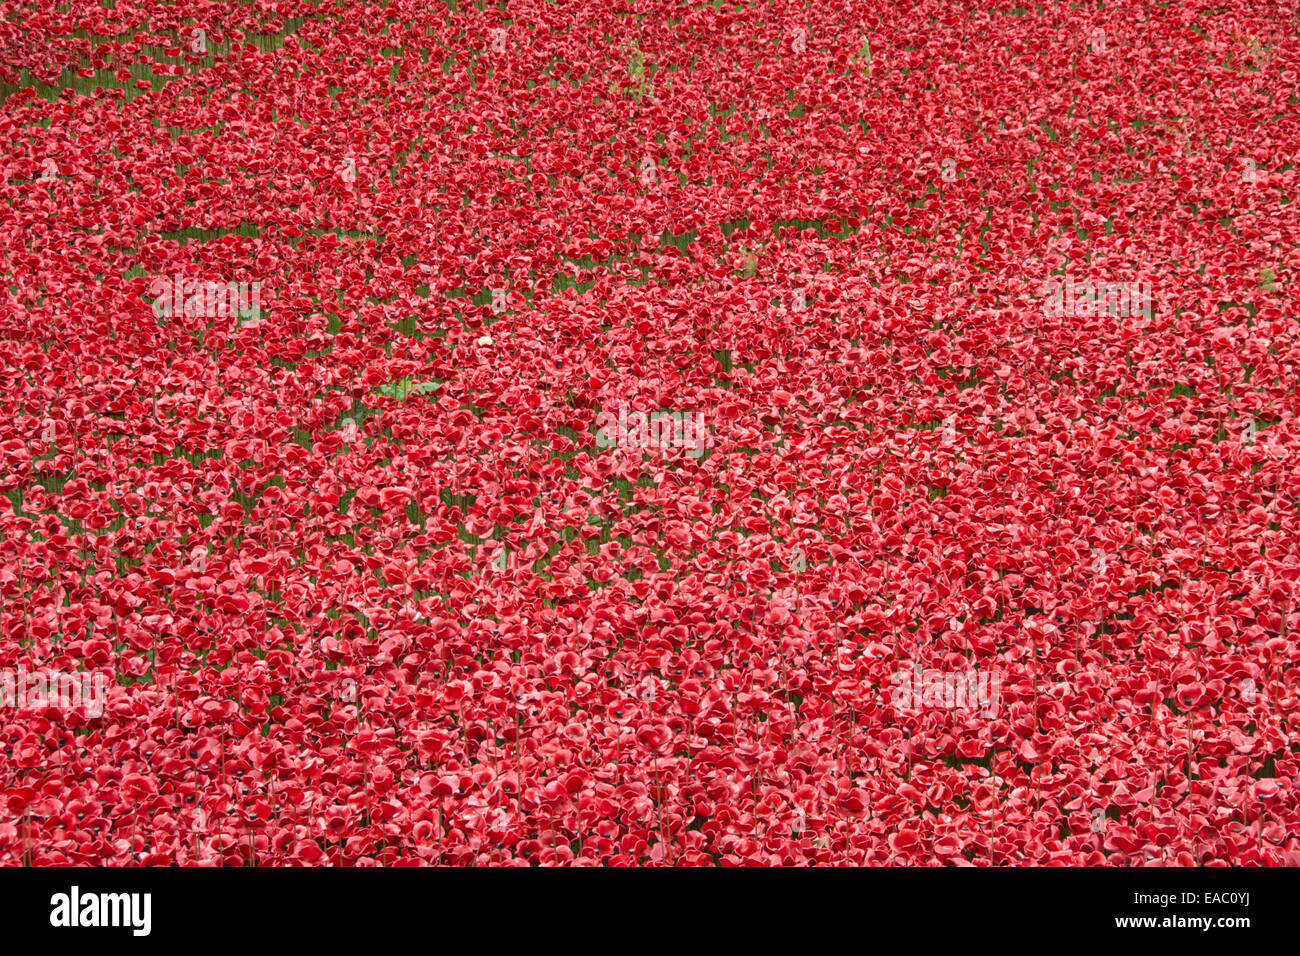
656,433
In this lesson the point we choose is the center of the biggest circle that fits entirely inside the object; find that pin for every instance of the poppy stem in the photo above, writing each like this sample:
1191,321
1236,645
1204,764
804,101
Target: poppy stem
220,821
1259,824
